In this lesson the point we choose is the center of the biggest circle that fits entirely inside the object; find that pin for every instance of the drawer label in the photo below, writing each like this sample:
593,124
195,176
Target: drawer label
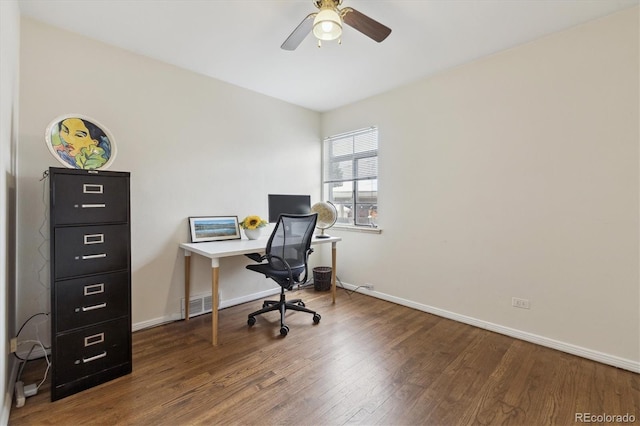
93,239
92,289
89,188
93,340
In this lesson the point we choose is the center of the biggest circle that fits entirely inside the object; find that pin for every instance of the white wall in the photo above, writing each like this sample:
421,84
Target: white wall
9,66
515,175
194,146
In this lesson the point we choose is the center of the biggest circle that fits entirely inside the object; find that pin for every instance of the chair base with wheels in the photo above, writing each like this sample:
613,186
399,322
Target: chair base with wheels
282,306
285,262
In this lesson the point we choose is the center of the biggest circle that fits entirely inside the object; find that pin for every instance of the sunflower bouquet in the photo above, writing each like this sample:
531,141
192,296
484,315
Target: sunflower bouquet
253,222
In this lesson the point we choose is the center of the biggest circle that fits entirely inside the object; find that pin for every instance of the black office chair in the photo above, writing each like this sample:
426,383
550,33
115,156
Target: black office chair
285,262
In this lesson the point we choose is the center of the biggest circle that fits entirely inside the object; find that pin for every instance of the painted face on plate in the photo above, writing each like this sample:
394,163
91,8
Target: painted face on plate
74,132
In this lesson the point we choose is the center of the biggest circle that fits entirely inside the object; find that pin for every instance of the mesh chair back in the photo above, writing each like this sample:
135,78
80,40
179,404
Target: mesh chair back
291,240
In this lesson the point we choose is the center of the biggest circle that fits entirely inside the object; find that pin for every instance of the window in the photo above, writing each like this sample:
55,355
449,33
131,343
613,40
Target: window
350,176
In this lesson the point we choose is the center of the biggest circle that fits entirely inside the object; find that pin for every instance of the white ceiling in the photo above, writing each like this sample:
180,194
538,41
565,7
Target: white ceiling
238,41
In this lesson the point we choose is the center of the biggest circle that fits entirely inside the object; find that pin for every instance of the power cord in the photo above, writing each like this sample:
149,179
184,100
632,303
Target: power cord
350,292
22,391
27,341
338,284
43,247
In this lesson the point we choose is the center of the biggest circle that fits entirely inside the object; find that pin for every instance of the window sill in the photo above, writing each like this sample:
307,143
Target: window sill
353,228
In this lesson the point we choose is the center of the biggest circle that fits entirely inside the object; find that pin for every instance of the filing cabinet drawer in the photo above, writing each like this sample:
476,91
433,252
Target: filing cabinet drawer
91,350
86,250
89,199
89,300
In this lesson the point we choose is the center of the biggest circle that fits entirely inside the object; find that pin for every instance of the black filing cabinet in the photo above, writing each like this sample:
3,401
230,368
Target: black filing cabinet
89,217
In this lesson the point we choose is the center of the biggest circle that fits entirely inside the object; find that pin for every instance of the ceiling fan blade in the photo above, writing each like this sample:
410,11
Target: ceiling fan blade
299,34
367,26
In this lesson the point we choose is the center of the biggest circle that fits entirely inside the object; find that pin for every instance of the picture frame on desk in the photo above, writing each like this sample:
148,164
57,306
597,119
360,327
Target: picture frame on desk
213,228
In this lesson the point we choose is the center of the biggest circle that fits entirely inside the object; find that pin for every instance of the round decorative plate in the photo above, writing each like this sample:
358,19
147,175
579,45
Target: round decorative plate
80,142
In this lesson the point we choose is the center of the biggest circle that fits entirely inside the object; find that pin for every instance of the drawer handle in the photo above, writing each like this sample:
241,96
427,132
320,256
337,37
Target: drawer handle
93,340
94,358
93,206
92,289
93,307
89,188
93,239
94,256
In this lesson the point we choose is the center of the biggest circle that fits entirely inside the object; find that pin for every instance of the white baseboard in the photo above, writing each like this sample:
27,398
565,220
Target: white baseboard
223,304
8,398
156,322
6,406
249,298
591,354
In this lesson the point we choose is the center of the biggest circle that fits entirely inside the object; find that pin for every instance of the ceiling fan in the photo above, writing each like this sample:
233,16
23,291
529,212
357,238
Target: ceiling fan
327,24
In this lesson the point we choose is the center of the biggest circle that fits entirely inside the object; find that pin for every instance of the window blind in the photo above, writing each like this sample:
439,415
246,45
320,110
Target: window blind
351,156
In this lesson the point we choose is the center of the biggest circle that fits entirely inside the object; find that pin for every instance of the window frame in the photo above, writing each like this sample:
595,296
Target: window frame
355,179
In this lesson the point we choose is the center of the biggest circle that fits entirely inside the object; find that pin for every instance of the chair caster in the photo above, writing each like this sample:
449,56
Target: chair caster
316,318
284,330
251,321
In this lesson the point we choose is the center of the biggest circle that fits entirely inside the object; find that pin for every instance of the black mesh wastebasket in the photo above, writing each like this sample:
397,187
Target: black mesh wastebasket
322,278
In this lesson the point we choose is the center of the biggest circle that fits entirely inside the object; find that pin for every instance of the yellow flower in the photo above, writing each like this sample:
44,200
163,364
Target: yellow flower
253,222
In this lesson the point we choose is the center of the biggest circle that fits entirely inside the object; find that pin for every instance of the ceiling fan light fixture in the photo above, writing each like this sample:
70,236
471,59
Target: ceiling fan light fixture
327,25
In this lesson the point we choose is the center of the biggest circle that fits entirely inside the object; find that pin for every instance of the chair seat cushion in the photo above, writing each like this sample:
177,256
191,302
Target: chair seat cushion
279,275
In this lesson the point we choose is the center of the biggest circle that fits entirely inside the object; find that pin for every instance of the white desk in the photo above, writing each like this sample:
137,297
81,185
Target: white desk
214,250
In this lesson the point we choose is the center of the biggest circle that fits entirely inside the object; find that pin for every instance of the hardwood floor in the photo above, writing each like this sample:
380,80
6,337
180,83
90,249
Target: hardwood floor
367,362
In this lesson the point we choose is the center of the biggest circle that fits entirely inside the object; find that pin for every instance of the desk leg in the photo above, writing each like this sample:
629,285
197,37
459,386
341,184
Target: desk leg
187,281
333,272
215,268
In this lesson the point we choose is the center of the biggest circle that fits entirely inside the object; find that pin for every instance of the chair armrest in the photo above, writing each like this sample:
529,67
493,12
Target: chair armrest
256,257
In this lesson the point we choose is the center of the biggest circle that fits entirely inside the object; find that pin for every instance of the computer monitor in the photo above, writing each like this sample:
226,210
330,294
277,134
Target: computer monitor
289,204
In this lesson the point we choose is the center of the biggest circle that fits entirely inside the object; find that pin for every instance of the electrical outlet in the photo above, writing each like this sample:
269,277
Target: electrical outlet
14,345
368,286
520,303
